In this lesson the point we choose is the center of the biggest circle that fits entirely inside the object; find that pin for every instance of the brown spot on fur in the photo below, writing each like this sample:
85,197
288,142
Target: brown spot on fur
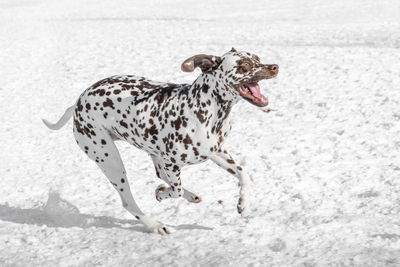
108,103
183,156
231,171
123,124
187,141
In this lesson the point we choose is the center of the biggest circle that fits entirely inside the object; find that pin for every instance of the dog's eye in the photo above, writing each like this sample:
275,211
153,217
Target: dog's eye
246,66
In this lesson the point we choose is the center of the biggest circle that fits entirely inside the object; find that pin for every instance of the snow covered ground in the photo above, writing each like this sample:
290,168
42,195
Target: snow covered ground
325,165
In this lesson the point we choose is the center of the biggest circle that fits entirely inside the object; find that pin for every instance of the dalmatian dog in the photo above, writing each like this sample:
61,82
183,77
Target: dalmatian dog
176,124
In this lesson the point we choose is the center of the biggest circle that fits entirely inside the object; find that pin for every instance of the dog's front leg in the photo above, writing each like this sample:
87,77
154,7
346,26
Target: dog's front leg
188,194
171,174
224,160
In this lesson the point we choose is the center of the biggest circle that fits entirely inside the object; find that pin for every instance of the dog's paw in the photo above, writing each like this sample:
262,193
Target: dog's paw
191,196
243,206
161,229
154,226
195,199
159,190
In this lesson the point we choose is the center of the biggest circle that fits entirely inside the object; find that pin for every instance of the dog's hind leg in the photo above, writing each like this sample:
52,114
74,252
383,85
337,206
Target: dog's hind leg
224,160
101,148
188,194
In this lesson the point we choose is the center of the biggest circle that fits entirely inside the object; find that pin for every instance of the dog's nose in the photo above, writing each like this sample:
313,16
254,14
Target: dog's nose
274,67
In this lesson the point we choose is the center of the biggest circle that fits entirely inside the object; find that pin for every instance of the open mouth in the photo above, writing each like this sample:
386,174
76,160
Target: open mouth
251,92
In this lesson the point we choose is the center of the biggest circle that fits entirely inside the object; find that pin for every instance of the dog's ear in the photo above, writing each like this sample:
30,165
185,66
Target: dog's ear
206,63
233,50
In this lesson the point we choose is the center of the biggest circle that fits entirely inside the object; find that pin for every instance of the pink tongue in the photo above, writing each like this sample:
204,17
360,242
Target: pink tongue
255,89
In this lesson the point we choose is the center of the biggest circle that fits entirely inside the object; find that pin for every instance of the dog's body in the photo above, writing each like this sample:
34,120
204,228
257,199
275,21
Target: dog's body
176,124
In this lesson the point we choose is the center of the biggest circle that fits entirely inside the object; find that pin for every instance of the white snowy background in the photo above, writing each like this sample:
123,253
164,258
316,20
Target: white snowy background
325,165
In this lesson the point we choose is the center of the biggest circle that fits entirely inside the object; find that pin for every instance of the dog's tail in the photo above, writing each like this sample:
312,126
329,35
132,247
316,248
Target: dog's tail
62,121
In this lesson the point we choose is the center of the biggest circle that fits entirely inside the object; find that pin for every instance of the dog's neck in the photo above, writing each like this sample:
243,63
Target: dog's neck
211,100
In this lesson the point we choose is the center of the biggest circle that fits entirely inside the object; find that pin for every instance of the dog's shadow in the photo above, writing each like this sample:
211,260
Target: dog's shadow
60,213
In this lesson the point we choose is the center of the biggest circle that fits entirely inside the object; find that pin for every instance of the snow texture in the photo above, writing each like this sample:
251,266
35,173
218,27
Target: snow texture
325,164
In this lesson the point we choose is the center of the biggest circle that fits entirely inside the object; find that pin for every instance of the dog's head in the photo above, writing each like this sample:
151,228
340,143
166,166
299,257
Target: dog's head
239,72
